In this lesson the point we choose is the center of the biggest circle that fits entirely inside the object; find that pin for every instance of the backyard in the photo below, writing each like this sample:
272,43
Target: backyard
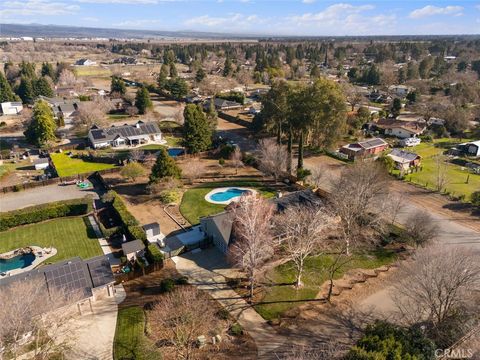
67,166
279,295
456,175
194,206
130,341
70,236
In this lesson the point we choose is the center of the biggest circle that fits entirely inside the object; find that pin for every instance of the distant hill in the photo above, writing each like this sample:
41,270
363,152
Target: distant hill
57,31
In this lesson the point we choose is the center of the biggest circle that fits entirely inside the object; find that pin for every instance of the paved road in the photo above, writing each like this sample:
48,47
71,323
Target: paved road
207,270
41,195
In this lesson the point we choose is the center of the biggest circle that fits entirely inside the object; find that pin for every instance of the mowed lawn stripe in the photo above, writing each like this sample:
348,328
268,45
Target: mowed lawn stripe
70,236
67,166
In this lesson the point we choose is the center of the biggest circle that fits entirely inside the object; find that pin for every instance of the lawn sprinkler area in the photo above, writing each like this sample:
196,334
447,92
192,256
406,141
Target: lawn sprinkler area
225,195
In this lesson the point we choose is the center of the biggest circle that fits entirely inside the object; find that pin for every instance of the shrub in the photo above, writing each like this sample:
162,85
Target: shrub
34,214
223,314
475,198
17,188
136,232
221,161
170,196
167,285
302,173
154,254
236,329
226,151
183,280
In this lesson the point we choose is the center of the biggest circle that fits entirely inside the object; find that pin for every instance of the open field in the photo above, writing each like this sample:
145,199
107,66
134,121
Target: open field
92,71
456,175
130,341
194,206
67,166
70,236
282,295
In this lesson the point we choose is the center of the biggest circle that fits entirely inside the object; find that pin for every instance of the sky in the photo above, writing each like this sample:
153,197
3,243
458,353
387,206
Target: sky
260,17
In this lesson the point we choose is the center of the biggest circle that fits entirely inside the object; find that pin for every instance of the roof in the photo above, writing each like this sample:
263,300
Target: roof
153,227
133,246
222,103
414,127
223,222
73,276
41,161
372,143
124,131
301,197
402,156
11,104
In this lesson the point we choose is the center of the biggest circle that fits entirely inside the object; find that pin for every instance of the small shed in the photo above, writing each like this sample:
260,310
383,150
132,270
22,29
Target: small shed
404,159
41,163
133,249
154,235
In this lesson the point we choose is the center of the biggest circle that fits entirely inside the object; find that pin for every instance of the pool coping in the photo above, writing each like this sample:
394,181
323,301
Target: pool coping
38,259
221,189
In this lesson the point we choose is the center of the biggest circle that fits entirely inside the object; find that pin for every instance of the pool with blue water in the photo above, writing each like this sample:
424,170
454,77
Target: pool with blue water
16,262
173,152
227,194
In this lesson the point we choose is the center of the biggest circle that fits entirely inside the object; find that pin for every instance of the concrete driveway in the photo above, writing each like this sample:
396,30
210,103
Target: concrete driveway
207,270
41,195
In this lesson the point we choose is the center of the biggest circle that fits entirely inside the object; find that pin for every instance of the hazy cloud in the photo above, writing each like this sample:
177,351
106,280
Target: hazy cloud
36,7
431,10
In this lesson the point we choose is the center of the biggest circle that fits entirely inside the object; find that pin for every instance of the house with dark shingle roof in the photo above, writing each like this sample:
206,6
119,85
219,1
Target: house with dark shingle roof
222,104
125,135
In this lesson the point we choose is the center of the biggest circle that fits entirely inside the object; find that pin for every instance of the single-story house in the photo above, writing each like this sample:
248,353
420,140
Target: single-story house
469,148
85,280
85,62
436,121
404,159
364,149
41,163
153,233
399,90
222,104
11,108
133,249
125,135
399,128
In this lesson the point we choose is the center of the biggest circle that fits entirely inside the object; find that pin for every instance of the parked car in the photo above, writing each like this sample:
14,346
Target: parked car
410,141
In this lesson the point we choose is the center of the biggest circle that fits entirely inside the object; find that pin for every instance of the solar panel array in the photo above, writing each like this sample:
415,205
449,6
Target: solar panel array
372,143
70,277
100,271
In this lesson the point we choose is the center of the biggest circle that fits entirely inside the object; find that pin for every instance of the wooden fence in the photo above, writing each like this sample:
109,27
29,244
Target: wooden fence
234,119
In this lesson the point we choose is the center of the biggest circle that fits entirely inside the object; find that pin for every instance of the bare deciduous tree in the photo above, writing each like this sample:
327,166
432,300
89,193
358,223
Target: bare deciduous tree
32,314
303,231
253,244
180,317
441,176
132,111
194,169
236,159
396,202
273,157
67,78
353,96
360,198
421,228
136,155
93,112
440,284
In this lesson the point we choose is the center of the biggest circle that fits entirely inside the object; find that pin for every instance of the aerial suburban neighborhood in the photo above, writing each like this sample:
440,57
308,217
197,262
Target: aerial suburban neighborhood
274,186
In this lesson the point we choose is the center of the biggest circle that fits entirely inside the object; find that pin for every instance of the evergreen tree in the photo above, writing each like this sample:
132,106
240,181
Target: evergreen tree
142,100
118,85
173,70
27,70
197,134
178,87
200,75
165,166
47,70
42,87
26,91
371,76
227,68
41,129
6,92
162,76
396,107
315,72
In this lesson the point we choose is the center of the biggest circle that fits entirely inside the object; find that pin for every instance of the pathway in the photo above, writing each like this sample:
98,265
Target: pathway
107,250
207,270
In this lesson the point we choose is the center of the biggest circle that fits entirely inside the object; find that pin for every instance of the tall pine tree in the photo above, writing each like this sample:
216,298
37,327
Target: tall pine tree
26,91
41,129
6,92
164,167
197,132
142,100
42,87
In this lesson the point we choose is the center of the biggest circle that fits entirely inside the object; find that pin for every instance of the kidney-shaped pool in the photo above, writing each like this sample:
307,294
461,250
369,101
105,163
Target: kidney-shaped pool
226,195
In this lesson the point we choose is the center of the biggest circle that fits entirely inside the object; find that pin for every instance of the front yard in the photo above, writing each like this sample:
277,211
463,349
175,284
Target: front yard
279,295
194,206
456,175
70,236
67,166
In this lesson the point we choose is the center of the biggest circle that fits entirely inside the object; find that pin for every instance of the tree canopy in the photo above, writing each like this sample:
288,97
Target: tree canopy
41,129
197,132
164,167
142,100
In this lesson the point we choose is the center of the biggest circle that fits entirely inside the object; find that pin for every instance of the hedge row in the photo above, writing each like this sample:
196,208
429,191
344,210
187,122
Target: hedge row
34,214
154,254
130,224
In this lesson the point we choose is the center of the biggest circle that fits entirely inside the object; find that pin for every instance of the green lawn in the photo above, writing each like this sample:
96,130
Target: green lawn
118,117
67,166
456,177
194,206
130,341
92,71
70,236
280,298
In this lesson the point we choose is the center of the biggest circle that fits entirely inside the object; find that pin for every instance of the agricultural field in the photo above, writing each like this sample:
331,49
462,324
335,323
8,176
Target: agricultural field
70,236
67,166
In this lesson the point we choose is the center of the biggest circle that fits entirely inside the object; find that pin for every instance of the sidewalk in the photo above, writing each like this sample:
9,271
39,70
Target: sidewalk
107,251
207,270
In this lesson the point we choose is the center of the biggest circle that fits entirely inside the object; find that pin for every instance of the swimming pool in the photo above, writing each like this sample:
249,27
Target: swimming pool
173,152
16,262
226,195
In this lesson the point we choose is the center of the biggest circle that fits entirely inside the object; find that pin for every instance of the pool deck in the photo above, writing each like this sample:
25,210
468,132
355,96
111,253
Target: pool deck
223,189
46,253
